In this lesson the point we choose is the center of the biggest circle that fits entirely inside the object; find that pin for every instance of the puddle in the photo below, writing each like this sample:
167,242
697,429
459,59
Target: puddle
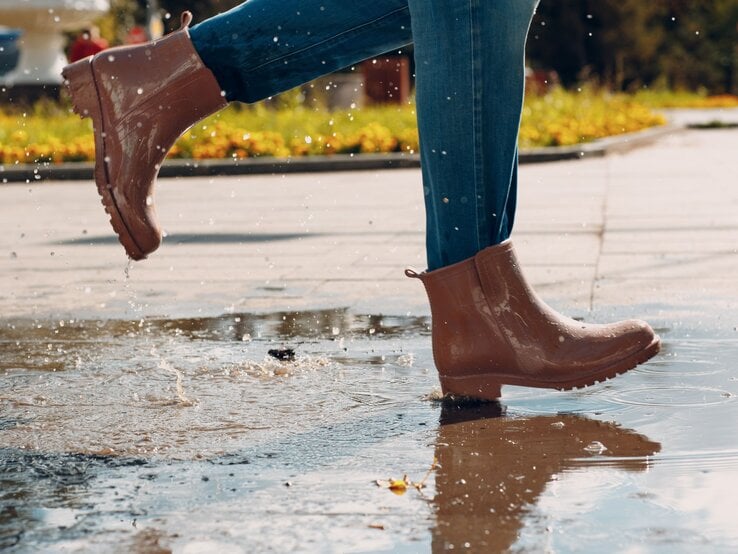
187,435
675,396
187,388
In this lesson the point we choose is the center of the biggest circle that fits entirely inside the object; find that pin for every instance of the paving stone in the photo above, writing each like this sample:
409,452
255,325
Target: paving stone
652,232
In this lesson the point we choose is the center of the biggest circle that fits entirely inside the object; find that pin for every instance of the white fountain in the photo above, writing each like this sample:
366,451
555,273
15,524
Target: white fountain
42,42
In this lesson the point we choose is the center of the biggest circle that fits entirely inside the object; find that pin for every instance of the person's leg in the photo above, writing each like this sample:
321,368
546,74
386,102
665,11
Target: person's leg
489,327
263,47
470,57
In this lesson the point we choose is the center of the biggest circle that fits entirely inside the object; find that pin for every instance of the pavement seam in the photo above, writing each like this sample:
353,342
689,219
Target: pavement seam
600,236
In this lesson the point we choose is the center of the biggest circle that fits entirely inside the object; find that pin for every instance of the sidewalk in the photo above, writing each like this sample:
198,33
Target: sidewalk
157,435
651,233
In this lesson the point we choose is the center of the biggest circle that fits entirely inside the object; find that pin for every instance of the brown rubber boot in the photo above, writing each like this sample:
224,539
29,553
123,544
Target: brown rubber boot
141,99
490,329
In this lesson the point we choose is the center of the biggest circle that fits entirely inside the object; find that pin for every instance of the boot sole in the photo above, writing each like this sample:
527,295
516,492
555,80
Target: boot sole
79,81
489,387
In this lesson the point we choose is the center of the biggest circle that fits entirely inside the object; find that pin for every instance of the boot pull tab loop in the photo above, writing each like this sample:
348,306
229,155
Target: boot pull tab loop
185,19
409,272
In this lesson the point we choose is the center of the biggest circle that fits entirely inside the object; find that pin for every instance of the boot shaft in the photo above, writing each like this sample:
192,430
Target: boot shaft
163,79
464,332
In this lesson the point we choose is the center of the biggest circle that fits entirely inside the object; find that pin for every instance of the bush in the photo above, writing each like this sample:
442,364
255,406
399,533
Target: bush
48,134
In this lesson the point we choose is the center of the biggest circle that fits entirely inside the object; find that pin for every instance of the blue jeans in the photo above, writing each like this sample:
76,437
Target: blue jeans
469,57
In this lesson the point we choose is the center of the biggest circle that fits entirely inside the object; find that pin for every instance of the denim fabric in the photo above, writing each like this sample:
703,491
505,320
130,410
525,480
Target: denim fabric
469,57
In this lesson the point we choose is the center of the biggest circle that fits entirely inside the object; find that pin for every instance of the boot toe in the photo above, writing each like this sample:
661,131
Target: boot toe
631,341
637,334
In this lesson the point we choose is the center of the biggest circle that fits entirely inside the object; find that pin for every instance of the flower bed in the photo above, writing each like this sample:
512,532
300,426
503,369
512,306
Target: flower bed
679,99
53,135
562,118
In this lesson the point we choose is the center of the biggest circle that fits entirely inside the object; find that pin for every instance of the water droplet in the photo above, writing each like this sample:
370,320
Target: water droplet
595,447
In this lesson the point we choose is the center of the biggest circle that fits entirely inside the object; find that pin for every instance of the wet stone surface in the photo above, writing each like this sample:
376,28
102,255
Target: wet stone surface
187,435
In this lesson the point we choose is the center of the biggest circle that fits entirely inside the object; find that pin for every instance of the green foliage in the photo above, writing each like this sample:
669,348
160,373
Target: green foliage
627,44
620,44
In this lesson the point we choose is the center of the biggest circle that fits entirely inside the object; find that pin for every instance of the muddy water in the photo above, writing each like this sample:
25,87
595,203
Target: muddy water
186,435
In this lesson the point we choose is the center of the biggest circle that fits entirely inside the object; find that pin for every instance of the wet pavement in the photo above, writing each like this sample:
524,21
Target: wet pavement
146,413
188,435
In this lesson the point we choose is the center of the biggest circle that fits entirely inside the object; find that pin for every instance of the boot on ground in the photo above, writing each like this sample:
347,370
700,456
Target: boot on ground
491,329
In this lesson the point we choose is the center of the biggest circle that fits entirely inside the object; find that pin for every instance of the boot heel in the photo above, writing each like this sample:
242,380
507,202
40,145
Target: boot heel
476,386
80,84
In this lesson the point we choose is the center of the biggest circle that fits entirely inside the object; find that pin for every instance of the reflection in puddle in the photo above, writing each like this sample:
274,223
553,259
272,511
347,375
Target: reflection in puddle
493,469
55,345
183,434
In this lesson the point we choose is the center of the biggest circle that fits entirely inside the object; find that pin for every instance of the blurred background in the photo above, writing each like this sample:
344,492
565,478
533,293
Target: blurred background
595,68
622,44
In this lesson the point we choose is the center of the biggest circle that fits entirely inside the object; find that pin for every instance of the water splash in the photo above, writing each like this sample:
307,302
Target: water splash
182,399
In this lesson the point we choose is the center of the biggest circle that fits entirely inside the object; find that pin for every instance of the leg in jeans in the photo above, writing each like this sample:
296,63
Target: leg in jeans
264,47
470,61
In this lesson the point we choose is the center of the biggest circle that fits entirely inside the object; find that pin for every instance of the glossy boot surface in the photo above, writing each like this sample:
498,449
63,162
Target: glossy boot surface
491,329
141,99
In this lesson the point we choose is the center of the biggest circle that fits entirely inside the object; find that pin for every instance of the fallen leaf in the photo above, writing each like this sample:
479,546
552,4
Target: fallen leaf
399,486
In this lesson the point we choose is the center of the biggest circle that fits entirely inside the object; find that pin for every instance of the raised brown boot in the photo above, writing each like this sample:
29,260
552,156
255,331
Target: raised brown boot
141,99
490,329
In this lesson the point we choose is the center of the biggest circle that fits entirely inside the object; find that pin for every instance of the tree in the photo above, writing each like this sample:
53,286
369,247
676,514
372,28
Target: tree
629,43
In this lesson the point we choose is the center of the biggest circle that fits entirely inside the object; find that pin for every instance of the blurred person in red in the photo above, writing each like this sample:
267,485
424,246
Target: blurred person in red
88,43
137,35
